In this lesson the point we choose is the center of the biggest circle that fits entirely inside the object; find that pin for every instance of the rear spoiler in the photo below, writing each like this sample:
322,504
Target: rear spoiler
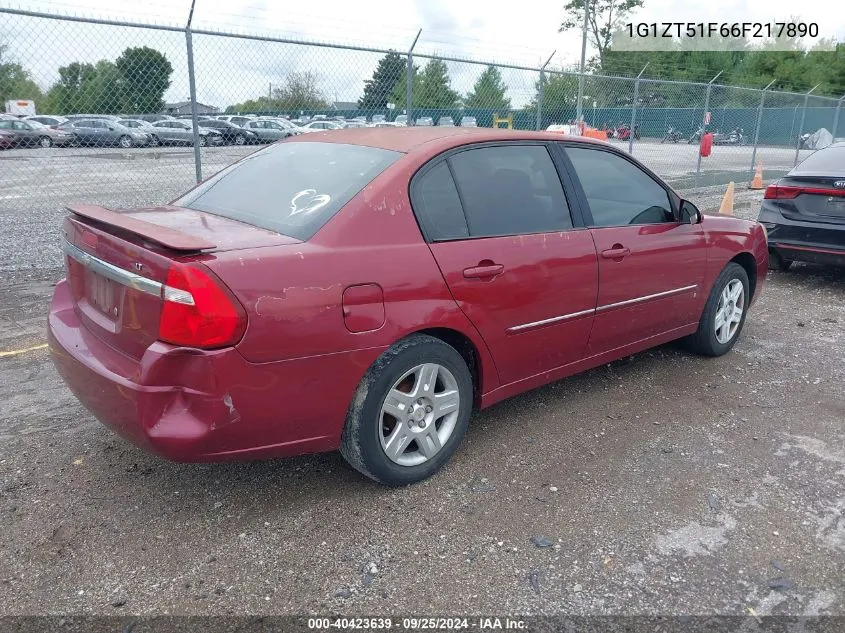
165,236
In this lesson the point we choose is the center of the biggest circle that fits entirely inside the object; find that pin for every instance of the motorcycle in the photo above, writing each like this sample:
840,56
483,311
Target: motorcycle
623,132
696,137
736,137
672,135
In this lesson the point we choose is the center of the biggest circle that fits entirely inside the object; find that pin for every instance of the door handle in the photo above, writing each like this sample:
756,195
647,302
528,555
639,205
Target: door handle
482,272
617,252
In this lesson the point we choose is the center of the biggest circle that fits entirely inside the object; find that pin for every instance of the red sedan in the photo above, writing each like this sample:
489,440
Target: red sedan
366,289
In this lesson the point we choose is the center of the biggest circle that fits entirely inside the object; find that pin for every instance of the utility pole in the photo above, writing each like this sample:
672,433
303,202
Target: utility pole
583,61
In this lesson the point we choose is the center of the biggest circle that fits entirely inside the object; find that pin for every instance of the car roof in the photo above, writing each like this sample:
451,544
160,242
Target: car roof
433,138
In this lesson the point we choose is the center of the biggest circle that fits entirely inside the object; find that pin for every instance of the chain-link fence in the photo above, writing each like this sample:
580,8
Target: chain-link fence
127,114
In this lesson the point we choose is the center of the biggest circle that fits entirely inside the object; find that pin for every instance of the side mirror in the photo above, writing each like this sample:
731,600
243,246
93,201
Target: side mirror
690,213
112,128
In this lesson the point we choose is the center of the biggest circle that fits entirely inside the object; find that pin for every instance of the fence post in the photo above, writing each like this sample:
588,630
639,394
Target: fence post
801,125
193,88
759,122
540,92
409,82
634,110
836,117
704,120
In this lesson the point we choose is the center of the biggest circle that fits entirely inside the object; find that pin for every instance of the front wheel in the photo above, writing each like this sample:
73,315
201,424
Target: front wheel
203,141
724,313
125,142
45,142
409,413
240,139
154,141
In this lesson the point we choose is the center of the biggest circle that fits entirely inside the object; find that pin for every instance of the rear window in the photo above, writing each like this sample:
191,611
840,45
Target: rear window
290,188
825,162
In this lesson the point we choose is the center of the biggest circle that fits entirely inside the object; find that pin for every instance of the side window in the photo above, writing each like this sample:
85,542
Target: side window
5,125
436,202
20,126
619,193
510,190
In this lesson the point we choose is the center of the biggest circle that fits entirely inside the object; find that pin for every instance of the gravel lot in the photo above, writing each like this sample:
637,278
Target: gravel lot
660,484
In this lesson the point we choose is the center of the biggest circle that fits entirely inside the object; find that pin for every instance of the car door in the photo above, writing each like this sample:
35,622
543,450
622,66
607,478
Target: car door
500,227
27,134
85,132
651,265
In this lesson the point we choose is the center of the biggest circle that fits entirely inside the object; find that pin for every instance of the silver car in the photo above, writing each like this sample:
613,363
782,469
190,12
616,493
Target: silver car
270,130
178,132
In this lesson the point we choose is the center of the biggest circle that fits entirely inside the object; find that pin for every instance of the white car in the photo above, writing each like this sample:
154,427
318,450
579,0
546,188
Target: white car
49,121
385,124
321,126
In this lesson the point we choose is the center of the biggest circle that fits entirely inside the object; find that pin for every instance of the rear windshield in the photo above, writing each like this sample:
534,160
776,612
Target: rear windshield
825,162
291,188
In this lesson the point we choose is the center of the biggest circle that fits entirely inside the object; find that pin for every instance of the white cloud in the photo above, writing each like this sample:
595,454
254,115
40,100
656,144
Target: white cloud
231,70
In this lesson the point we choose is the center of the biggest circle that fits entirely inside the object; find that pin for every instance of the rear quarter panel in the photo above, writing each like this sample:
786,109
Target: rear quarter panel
728,238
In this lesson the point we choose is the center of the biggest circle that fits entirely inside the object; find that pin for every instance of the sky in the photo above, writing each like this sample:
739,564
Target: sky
231,70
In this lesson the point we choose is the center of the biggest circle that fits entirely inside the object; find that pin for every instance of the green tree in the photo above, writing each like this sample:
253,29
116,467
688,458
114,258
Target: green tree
605,17
560,92
379,89
301,91
15,80
67,95
435,89
102,93
400,91
144,77
489,91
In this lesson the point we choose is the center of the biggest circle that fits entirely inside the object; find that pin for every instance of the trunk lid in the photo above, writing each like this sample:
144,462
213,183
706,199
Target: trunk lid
810,199
118,261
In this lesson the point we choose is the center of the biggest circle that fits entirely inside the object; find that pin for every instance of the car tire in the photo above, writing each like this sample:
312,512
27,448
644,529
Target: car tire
779,262
45,142
203,141
240,139
125,141
154,141
714,337
424,441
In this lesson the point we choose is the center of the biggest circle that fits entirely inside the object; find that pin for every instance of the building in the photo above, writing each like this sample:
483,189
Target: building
184,107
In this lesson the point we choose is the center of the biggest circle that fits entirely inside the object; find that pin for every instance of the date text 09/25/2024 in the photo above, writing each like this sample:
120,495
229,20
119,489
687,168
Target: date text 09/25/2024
418,624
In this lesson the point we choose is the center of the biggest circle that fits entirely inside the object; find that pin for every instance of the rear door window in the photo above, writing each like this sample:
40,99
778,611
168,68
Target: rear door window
291,188
510,190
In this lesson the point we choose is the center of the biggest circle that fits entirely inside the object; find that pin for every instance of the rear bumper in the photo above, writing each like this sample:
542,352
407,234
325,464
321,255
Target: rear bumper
192,405
820,242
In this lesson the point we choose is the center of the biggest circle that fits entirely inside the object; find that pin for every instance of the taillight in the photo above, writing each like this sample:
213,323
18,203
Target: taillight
775,192
779,192
198,311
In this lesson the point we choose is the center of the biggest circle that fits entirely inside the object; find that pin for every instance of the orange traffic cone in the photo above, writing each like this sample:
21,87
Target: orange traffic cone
727,206
757,182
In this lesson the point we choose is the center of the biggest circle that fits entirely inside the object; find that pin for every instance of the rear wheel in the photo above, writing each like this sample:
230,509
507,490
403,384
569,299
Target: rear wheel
240,139
203,141
45,142
410,412
724,313
154,141
779,262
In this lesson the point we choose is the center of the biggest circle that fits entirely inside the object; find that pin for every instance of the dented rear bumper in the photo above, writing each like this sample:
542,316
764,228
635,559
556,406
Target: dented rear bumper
190,405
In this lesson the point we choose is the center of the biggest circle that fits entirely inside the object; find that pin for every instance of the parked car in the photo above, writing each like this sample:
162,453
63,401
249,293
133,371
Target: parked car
378,118
468,121
353,124
267,284
237,119
446,121
424,121
49,121
269,130
103,133
385,124
178,132
7,138
231,133
401,119
78,117
804,212
321,126
151,118
33,134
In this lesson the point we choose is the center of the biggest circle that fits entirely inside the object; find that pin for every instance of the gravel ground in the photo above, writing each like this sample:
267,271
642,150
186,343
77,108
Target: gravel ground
660,484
